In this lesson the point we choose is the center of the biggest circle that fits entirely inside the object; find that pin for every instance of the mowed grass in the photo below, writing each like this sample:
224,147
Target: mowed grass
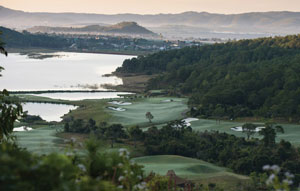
192,169
163,112
40,141
291,134
91,109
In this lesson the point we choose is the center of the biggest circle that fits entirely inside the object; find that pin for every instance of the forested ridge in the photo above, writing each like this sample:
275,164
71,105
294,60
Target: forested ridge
26,40
244,78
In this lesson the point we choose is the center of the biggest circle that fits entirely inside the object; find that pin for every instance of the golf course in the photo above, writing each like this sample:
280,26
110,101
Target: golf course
189,168
134,114
41,140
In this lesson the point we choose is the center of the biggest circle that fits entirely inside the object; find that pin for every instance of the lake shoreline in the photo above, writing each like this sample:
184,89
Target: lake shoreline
135,83
42,50
61,91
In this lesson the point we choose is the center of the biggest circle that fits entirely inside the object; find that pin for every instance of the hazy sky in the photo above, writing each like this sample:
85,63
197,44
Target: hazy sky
151,6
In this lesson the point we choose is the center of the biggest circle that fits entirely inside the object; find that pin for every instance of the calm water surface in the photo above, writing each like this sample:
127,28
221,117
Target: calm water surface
65,71
69,71
82,96
48,112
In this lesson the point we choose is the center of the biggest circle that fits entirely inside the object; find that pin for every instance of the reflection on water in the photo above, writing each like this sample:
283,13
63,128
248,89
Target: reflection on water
72,71
48,112
81,96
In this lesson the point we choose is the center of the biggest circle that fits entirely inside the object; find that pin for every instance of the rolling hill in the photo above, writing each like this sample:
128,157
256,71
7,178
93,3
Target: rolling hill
193,169
242,25
120,28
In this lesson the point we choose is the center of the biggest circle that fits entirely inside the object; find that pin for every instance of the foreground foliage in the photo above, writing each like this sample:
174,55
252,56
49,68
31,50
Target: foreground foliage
10,110
21,170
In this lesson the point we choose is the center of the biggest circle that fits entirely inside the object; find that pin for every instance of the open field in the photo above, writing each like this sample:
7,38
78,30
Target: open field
163,112
192,169
291,134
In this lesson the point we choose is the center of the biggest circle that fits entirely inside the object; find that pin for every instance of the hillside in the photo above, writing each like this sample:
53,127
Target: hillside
192,23
237,79
120,28
191,169
14,39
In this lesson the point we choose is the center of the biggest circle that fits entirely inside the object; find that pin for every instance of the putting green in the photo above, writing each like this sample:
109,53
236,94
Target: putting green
163,112
184,167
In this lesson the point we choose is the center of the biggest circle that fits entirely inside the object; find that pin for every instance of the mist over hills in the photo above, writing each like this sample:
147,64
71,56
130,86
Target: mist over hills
196,24
126,28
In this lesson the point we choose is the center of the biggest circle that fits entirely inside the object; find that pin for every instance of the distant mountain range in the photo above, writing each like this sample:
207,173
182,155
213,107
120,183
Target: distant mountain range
126,28
194,24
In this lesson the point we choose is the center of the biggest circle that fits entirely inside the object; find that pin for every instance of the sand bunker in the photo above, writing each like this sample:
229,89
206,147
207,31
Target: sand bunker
240,129
23,128
167,100
119,103
188,121
116,108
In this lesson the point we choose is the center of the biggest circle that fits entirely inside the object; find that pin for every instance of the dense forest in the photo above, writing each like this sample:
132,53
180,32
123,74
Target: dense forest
26,40
244,78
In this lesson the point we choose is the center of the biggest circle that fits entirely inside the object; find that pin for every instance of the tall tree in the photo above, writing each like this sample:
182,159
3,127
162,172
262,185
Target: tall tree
114,132
149,116
249,129
135,133
269,133
10,110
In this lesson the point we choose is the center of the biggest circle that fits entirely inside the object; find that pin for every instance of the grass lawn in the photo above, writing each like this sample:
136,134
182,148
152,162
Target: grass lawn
192,169
291,134
88,109
45,140
40,141
163,112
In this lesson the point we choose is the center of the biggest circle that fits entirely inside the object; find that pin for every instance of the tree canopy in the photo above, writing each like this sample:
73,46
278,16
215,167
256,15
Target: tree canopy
10,110
235,79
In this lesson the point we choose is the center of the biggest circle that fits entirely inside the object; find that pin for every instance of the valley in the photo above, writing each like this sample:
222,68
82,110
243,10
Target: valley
178,101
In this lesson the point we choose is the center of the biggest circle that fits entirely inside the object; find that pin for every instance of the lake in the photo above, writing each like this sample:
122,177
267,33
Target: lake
48,112
65,71
81,96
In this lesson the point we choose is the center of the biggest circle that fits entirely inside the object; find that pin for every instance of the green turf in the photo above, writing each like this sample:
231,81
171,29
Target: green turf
291,134
41,140
163,112
184,167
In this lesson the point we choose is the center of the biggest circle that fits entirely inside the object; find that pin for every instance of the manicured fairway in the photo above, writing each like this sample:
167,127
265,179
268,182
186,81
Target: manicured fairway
189,168
40,141
162,111
292,132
